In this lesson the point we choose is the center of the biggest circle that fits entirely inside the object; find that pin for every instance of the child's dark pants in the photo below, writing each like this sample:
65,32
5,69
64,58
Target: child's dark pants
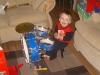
57,46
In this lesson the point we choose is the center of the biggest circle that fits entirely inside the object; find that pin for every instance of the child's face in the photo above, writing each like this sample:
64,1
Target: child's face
64,20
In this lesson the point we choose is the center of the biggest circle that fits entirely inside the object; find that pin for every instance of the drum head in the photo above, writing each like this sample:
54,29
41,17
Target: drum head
46,44
41,28
47,40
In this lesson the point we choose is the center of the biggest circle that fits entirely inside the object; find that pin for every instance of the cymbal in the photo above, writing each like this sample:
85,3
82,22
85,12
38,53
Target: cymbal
24,27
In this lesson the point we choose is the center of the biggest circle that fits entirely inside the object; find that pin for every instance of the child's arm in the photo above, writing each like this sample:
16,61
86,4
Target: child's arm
56,35
56,29
56,32
68,36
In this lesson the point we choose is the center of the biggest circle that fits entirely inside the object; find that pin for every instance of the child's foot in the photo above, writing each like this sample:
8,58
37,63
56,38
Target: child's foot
48,57
42,56
45,56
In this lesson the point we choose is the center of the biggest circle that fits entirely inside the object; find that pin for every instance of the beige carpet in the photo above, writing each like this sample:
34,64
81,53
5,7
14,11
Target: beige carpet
54,65
69,61
69,65
58,64
25,70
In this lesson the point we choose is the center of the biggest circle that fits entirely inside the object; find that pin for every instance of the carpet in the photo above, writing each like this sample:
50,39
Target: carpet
69,65
17,58
69,61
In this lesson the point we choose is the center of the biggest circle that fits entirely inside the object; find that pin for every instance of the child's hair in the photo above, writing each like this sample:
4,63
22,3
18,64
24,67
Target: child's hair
66,12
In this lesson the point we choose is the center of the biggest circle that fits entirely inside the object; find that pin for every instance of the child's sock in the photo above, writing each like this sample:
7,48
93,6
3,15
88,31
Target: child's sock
45,56
42,56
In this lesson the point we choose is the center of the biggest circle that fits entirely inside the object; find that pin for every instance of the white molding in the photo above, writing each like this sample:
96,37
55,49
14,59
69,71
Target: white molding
74,5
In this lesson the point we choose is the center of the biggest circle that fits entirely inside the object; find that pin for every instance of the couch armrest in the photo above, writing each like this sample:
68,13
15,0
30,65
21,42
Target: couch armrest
47,5
89,32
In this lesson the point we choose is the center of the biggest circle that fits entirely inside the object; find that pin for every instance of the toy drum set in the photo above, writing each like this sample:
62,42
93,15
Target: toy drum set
31,44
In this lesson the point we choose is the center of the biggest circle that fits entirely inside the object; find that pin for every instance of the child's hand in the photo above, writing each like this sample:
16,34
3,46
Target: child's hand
61,37
61,32
58,36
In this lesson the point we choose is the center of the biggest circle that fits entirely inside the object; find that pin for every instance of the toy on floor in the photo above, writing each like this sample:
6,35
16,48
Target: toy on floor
38,67
3,63
13,70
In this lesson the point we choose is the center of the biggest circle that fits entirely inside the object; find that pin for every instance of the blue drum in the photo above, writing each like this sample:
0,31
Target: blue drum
41,31
30,48
46,44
